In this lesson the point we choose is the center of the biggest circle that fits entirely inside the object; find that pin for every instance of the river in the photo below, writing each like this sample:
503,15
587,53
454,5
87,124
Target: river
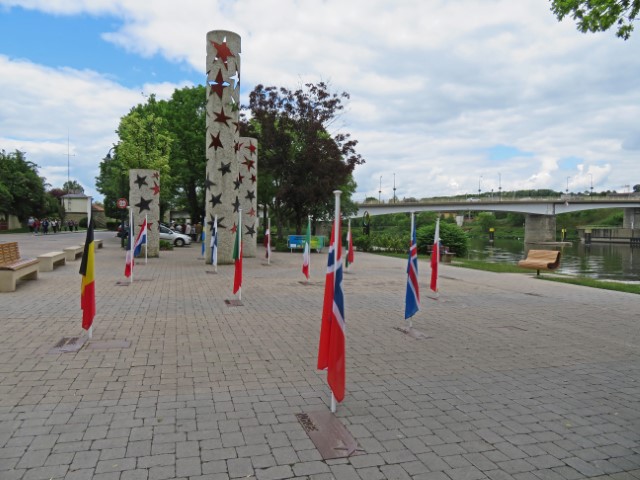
601,261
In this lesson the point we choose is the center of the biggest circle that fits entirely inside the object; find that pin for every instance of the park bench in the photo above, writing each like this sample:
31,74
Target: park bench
50,260
297,242
97,243
541,260
74,252
13,267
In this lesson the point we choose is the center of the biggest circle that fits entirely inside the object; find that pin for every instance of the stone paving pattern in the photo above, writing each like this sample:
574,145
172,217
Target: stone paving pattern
518,379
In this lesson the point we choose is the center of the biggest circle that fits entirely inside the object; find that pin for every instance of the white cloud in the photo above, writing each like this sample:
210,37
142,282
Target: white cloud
433,85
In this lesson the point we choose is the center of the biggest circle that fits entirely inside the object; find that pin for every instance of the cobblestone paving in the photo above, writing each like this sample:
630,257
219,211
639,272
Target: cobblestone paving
516,378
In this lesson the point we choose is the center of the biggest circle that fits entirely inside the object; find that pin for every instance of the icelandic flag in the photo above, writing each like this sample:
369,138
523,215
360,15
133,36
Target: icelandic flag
214,241
435,257
412,298
141,238
128,265
331,352
306,255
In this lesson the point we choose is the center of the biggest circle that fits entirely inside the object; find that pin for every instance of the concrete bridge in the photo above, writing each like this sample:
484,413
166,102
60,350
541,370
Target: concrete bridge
540,223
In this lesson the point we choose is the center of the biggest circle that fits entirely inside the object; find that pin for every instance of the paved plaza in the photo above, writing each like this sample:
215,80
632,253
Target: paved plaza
514,377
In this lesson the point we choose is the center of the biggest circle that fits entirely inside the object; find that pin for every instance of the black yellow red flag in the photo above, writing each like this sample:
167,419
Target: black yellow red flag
88,288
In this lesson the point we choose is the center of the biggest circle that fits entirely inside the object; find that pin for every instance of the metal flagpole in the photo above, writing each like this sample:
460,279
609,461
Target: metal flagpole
146,238
240,248
410,259
89,209
336,239
214,233
269,241
131,242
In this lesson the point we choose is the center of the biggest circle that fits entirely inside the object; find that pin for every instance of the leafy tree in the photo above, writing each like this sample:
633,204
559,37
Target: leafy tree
451,236
636,188
599,15
301,163
486,220
22,191
72,186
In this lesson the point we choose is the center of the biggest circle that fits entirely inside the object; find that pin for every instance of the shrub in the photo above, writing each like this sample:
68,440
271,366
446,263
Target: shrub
451,236
166,245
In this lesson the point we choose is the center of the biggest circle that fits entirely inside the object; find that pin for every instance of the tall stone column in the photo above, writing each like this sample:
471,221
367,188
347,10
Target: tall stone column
223,102
247,188
144,198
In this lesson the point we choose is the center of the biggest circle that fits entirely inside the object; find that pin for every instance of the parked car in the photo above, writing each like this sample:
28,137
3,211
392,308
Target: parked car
178,239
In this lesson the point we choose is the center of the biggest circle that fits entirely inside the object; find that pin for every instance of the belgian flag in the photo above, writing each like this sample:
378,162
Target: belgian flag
88,288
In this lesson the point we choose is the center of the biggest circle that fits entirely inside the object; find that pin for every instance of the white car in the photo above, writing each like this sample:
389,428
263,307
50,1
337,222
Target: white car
178,239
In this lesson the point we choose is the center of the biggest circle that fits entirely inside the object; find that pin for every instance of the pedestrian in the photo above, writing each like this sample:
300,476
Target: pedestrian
198,231
32,224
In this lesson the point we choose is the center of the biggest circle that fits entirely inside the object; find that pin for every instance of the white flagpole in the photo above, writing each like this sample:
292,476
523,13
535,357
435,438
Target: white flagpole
411,243
90,331
146,238
269,241
336,239
215,232
131,240
348,244
240,248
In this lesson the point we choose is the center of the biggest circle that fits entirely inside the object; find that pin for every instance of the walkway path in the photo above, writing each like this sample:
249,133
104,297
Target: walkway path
517,378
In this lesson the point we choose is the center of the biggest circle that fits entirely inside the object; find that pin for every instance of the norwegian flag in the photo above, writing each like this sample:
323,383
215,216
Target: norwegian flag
412,298
331,352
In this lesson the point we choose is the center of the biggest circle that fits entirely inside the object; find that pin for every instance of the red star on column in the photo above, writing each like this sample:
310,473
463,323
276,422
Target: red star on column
237,146
156,175
219,85
148,226
252,148
215,141
155,188
234,229
252,212
248,163
253,178
221,117
222,52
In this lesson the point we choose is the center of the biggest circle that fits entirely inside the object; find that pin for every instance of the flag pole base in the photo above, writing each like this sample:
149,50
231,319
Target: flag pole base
333,403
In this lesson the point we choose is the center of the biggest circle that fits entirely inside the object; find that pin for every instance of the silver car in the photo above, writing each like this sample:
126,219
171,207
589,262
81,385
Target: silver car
178,239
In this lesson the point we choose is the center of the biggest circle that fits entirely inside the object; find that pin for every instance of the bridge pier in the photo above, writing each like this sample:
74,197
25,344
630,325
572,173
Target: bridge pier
631,218
539,228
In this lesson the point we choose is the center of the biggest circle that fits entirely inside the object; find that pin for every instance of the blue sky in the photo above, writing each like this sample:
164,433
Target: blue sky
509,95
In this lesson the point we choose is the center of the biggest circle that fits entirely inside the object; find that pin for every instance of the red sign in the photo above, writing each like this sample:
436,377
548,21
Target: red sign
122,203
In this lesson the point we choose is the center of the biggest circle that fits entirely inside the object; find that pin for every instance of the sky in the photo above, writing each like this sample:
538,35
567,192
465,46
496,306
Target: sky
446,97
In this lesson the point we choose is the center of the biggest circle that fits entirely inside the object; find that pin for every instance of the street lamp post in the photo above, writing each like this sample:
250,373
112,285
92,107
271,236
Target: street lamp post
568,185
479,185
394,188
499,186
380,191
109,158
591,188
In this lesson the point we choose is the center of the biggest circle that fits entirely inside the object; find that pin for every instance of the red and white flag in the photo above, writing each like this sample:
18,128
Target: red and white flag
267,244
435,257
350,254
237,257
306,254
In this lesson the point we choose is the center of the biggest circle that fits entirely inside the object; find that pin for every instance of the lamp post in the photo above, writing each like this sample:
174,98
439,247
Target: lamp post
499,186
591,188
568,185
479,185
109,158
394,188
380,190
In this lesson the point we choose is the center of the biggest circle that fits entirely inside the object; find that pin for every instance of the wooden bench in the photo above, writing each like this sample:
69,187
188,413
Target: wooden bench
74,252
12,267
541,260
50,260
96,244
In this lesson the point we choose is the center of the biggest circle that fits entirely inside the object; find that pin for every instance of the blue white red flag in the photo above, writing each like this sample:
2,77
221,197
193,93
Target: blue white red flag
214,241
412,298
141,238
128,263
327,307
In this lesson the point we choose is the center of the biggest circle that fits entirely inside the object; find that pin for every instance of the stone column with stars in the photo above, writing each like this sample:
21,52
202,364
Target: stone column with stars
247,190
223,102
144,198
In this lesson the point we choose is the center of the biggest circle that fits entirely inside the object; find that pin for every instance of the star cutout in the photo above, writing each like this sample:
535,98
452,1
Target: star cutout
208,183
220,225
236,205
155,188
237,183
237,125
219,85
156,175
252,148
143,204
215,200
237,146
141,181
225,168
252,212
148,225
234,229
248,163
253,178
221,117
250,230
223,52
250,195
215,141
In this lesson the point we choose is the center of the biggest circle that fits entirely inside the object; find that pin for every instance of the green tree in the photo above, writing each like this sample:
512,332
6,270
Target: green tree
486,220
72,186
636,188
301,163
599,15
22,191
451,236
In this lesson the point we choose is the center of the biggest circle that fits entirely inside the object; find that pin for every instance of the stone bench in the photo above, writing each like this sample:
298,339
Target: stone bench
541,260
50,260
71,253
13,267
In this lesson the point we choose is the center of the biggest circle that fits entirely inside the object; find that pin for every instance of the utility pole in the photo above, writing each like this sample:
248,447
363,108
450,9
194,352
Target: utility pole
380,191
394,188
